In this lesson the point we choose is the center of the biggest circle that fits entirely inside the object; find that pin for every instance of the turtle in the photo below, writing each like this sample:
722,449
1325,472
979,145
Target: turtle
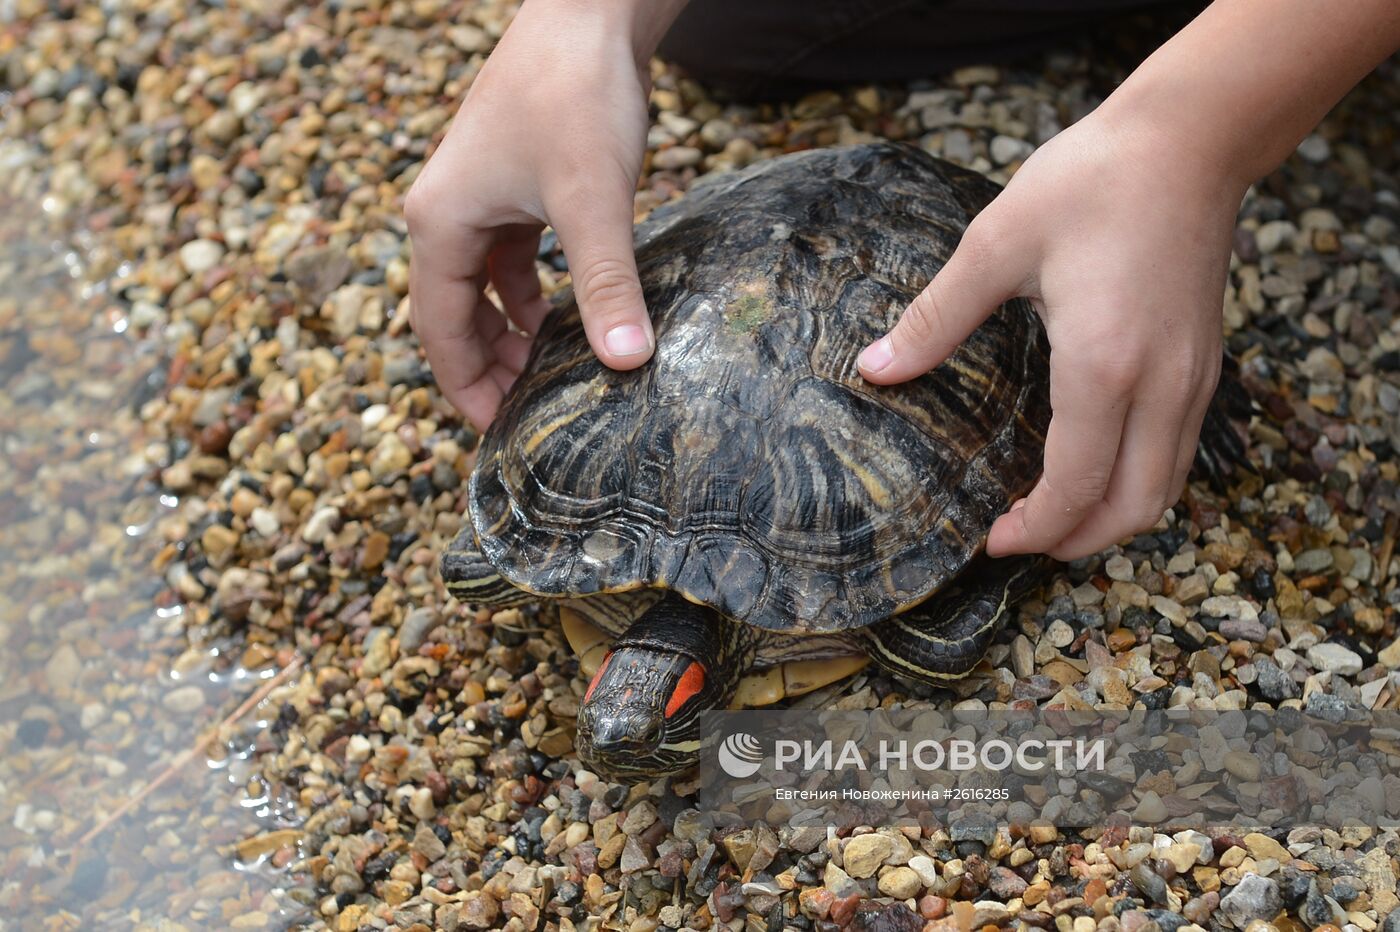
745,518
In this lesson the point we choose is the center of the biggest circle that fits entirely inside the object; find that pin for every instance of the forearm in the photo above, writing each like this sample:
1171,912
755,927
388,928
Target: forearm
1241,85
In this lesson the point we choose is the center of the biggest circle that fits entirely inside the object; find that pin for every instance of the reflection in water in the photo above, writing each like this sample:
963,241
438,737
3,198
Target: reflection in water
105,685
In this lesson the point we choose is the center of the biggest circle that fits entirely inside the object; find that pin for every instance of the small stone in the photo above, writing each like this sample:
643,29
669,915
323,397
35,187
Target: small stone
322,523
376,549
264,521
926,868
1274,684
379,651
1389,655
633,857
1119,567
863,854
677,157
391,456
1230,606
218,540
1315,149
639,817
63,667
1149,883
717,133
1150,808
902,883
1261,846
1335,658
974,826
1006,149
976,74
1059,634
1006,883
428,844
1170,609
417,626
1182,855
1243,765
358,749
200,255
1312,562
1192,590
1239,629
421,803
479,910
1086,595
1254,897
184,700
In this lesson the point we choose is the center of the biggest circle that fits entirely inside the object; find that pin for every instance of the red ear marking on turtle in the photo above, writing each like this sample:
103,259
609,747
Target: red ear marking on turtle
690,683
593,684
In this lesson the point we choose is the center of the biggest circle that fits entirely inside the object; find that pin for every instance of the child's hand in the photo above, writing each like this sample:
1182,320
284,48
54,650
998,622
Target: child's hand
1122,243
552,131
1119,230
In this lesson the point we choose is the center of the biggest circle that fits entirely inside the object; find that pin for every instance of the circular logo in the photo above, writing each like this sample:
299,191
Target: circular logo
740,755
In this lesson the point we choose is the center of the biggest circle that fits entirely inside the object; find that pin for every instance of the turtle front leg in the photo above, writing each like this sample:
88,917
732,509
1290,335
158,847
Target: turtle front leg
641,714
472,579
945,637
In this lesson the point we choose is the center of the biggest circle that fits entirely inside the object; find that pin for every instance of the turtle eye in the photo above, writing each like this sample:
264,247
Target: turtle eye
593,683
690,683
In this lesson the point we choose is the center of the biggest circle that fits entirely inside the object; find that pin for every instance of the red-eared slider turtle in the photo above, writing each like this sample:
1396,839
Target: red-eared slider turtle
746,505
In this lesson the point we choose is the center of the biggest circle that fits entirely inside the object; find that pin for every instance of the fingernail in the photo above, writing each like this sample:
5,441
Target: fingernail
876,356
626,340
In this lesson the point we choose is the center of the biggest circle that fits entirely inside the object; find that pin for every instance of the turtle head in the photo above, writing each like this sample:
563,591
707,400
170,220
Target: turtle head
641,714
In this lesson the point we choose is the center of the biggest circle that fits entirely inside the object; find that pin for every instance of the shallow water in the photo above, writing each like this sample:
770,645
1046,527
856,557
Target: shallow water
106,684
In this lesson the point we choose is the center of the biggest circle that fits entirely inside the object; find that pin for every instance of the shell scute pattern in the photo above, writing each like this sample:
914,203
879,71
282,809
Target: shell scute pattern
749,466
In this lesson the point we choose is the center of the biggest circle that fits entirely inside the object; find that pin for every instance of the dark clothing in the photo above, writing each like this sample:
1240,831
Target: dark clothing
766,48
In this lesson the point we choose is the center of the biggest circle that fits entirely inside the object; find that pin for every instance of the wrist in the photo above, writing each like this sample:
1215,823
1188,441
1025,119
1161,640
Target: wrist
642,22
1157,115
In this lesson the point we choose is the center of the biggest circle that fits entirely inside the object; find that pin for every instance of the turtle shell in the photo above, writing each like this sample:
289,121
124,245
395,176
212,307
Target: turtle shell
749,466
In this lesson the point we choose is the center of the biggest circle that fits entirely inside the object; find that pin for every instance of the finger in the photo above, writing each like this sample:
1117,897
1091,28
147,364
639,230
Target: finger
446,304
512,351
986,269
1141,485
1190,440
1158,449
447,273
517,282
1080,448
1195,421
597,241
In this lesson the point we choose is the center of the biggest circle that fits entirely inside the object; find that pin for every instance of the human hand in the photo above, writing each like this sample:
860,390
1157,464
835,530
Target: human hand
1121,239
551,132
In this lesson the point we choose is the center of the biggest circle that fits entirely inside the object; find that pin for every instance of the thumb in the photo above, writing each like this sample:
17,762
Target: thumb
977,278
597,241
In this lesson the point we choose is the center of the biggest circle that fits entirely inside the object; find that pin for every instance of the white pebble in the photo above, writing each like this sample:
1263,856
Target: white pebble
1334,657
200,255
1006,149
184,700
320,525
421,803
1119,567
1315,149
373,416
264,521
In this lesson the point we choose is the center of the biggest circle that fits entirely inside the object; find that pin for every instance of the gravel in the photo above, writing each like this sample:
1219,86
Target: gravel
224,456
